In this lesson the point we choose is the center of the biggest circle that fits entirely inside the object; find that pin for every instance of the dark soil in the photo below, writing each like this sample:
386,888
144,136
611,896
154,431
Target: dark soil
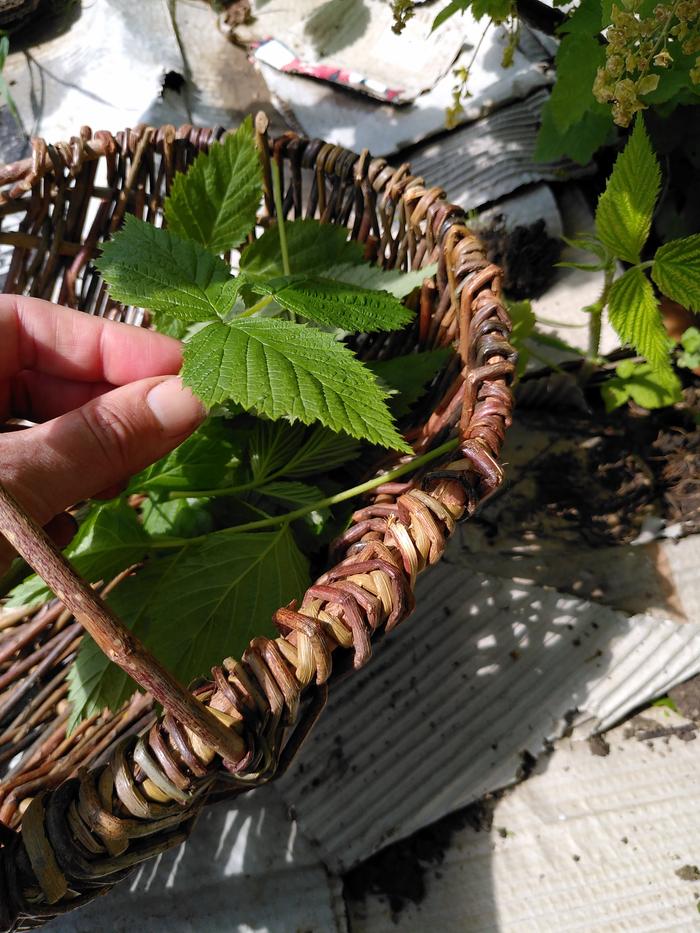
527,255
611,471
398,872
687,698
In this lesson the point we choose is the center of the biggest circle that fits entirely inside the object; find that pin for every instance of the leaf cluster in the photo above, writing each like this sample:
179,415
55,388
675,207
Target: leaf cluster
219,534
623,221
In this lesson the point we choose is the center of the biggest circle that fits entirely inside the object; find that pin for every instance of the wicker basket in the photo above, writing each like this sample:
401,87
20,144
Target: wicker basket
78,812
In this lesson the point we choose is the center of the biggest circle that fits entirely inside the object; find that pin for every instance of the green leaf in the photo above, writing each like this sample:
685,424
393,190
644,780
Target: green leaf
523,320
291,492
634,313
278,447
170,326
456,6
216,202
152,268
194,609
497,10
587,19
399,284
272,445
312,246
337,304
643,384
690,341
578,59
108,541
676,270
285,369
623,216
177,518
409,375
578,142
203,461
94,681
320,451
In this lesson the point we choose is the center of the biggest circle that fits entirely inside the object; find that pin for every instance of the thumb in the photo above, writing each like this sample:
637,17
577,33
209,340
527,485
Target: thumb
53,465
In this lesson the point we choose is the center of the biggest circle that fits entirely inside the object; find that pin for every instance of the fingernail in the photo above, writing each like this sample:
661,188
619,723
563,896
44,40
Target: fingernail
175,407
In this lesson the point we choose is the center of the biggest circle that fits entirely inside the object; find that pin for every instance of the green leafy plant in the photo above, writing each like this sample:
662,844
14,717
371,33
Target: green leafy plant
226,525
623,221
689,358
618,247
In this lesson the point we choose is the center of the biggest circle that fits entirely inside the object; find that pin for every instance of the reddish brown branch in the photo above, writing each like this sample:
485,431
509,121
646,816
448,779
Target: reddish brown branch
114,639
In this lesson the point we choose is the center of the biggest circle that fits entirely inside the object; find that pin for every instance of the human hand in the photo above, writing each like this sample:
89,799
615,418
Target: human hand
104,398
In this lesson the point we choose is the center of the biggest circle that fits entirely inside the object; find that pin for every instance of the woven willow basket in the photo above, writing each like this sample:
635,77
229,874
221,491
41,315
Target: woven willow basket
78,812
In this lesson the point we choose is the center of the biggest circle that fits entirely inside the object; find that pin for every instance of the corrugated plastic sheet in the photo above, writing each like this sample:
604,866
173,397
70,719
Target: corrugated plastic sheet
485,160
485,674
589,844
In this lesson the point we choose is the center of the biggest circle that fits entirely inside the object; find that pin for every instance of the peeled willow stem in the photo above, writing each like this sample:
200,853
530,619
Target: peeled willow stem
110,634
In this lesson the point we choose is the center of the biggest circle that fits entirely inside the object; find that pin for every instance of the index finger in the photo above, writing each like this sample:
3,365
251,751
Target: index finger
48,338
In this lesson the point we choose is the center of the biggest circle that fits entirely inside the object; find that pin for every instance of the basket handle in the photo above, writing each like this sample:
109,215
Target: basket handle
110,633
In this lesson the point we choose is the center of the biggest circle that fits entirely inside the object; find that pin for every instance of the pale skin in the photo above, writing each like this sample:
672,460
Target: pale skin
104,401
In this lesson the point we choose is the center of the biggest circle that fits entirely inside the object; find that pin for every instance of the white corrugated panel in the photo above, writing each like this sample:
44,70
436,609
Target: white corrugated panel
485,671
588,844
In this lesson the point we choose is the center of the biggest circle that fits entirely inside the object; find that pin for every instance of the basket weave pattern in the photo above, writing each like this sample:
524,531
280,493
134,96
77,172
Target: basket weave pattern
79,811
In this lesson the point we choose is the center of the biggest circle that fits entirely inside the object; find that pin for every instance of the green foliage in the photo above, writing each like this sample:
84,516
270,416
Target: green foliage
109,540
625,208
578,58
399,284
615,58
623,221
641,383
337,304
207,457
690,341
311,401
676,270
283,369
523,320
634,313
281,447
179,518
314,247
407,376
496,10
291,492
153,268
215,203
195,608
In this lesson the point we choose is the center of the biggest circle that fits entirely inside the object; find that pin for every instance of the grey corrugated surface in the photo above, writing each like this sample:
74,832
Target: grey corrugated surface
483,671
589,844
245,868
485,160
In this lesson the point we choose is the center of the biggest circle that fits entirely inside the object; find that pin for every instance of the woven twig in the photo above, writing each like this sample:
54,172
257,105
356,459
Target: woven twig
75,827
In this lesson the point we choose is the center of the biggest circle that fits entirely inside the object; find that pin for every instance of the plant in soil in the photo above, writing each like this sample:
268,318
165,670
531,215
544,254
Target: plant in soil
216,536
618,245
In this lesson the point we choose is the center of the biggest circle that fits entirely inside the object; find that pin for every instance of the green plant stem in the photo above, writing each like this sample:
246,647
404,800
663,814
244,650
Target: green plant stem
279,212
253,309
328,501
596,312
